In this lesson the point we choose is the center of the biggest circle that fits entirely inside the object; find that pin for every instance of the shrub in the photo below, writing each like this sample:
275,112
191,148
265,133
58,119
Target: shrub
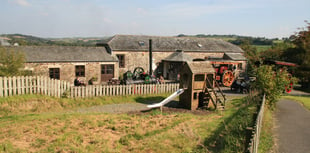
271,83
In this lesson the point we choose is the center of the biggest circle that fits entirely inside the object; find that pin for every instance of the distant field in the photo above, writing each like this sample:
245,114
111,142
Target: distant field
261,48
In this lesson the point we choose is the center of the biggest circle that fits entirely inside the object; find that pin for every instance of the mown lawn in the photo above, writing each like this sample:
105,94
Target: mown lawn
44,124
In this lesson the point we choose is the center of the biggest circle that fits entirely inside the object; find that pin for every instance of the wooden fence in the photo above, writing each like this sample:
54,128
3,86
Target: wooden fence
20,85
254,142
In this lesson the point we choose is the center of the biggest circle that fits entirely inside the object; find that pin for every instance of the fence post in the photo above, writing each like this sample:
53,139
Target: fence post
1,86
51,87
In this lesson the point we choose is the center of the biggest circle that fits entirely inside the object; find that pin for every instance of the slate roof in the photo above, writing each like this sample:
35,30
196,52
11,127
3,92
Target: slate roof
201,67
163,43
234,56
65,54
178,56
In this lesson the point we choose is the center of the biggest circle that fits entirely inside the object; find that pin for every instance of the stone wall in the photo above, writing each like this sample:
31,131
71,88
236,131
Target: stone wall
67,70
135,59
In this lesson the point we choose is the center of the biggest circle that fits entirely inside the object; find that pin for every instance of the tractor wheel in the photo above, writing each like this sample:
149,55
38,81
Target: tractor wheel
137,72
227,78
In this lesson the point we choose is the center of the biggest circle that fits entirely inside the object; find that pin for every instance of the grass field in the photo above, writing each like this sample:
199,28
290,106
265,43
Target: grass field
43,124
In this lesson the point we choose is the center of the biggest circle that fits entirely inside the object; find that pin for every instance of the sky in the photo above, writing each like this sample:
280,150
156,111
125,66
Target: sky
100,18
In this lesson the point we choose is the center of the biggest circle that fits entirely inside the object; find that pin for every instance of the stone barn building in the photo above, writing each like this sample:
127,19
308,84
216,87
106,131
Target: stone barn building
67,62
133,51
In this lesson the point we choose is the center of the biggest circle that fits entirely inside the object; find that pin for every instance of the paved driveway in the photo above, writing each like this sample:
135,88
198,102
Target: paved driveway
293,127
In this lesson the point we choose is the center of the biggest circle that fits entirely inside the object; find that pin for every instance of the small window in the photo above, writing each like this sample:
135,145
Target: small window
240,66
110,69
80,71
54,73
199,77
195,95
141,43
121,60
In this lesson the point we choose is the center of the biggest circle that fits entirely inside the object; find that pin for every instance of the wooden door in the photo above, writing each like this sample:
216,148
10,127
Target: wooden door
107,72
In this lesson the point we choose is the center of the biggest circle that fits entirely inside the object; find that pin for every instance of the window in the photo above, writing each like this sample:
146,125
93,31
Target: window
80,71
199,77
240,66
107,69
141,43
54,73
121,60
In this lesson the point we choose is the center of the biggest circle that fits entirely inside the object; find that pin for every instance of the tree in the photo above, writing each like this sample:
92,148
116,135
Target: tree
11,62
251,54
301,54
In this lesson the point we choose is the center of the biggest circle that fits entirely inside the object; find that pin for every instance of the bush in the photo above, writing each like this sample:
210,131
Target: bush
271,83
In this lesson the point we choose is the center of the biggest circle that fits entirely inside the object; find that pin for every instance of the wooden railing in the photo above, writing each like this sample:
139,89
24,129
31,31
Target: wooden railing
20,85
254,141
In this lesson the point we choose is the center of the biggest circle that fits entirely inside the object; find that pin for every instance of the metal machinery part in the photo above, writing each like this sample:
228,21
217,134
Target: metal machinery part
227,78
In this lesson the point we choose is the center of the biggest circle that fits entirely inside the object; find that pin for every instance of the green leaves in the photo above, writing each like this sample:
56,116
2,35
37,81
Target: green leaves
11,62
272,83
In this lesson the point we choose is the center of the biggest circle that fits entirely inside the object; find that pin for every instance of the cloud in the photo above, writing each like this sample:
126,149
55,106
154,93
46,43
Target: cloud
141,11
21,2
107,20
197,9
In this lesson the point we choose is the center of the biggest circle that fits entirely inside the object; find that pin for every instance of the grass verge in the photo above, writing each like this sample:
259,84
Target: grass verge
267,139
304,100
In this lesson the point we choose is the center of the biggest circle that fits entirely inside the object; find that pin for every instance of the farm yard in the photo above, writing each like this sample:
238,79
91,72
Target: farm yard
35,123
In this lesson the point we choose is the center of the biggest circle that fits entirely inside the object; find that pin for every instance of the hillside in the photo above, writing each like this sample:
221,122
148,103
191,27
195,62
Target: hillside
37,41
259,42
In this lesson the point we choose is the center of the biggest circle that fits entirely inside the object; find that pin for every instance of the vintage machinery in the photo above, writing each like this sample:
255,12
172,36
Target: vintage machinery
139,76
226,70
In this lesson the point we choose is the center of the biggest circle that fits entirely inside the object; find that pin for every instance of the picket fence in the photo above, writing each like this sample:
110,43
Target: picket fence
21,85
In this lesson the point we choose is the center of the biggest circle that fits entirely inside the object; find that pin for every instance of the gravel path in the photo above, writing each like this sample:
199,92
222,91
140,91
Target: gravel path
115,108
293,127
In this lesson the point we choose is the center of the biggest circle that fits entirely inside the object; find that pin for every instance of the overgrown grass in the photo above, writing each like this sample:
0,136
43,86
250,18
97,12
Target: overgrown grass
267,138
304,100
143,132
24,104
231,135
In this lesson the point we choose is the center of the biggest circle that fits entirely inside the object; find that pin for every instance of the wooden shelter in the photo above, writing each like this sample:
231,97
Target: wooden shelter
198,78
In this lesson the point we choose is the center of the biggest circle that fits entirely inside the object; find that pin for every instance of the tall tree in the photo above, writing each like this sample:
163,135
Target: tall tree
251,54
302,54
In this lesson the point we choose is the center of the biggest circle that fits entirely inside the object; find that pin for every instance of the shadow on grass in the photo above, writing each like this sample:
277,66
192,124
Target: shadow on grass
232,134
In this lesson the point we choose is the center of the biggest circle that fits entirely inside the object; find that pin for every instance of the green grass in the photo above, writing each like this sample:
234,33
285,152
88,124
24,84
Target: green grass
304,100
26,104
267,139
261,48
47,129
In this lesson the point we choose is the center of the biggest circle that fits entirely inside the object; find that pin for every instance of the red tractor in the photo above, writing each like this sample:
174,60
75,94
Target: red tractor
226,72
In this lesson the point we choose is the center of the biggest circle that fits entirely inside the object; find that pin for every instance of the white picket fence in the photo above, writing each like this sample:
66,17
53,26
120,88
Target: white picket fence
20,85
